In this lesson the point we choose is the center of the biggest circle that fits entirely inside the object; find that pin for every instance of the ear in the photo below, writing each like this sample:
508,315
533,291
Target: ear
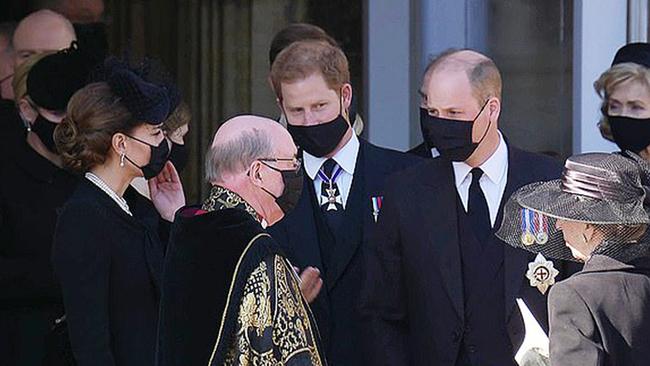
278,101
27,111
494,109
589,231
346,94
118,143
255,173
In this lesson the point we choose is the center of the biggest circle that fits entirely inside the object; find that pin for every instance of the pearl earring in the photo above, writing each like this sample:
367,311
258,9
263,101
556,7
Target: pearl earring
122,160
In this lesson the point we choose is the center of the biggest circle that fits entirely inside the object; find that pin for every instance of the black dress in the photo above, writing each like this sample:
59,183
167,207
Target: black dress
32,190
109,265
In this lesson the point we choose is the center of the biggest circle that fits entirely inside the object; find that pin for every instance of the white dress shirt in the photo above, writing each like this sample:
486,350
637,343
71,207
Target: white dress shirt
346,158
492,182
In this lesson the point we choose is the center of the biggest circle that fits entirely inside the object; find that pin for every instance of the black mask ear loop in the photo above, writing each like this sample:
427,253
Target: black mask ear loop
248,173
489,122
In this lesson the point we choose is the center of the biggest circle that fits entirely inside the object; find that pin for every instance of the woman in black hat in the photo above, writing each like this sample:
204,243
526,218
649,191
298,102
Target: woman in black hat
107,252
596,214
33,187
624,89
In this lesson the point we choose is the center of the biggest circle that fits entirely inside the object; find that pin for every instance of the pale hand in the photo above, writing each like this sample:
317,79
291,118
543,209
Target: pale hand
310,283
166,192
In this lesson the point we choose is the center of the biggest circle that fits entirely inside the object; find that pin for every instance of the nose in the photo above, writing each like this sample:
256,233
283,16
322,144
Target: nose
310,119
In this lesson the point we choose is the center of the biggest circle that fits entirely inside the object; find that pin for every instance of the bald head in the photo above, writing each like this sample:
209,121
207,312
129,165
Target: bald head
242,140
41,31
482,73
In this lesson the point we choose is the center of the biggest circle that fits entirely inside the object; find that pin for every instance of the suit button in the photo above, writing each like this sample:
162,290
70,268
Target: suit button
471,349
467,329
455,336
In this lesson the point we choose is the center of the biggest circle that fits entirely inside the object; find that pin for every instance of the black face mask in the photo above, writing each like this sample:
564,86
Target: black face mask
452,138
292,180
630,133
159,155
320,140
179,156
45,131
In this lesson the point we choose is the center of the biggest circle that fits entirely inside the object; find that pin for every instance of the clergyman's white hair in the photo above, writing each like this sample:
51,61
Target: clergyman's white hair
237,154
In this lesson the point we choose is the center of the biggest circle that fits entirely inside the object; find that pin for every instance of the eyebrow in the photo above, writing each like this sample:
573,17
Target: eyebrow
422,94
637,101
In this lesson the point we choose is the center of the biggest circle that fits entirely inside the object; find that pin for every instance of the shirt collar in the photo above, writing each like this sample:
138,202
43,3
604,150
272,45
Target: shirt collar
495,167
346,158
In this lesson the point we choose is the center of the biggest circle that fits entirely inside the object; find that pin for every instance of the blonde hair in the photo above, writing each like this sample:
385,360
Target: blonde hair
19,83
178,118
612,79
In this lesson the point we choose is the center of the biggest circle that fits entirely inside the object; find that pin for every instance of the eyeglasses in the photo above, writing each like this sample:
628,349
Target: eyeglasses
296,162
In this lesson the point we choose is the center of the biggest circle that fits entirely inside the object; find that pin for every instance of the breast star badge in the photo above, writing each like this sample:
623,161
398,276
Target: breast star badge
541,273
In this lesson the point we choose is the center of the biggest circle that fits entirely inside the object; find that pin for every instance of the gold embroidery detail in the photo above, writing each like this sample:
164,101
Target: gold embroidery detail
221,198
272,333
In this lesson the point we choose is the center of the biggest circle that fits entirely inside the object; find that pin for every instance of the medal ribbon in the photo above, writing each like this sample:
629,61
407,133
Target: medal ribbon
526,218
541,223
327,179
376,203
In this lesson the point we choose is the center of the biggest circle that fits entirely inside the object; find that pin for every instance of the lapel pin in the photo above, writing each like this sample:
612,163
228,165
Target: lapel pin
376,206
541,273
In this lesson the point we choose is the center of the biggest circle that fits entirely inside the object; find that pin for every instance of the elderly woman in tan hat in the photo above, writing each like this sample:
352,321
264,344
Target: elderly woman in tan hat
596,214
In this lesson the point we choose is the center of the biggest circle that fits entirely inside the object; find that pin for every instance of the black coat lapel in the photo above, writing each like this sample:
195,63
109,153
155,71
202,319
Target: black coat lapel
152,247
303,237
439,219
350,235
514,259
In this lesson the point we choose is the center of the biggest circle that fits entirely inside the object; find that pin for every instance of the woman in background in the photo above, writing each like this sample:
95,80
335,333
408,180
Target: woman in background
32,190
625,93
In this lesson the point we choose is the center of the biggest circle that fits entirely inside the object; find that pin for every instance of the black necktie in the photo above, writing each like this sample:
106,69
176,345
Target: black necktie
331,208
477,208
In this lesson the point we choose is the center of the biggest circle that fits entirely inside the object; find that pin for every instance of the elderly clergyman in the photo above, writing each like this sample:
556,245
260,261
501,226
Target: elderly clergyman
229,296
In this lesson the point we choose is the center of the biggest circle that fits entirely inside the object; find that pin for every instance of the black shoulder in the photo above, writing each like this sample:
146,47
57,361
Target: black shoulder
396,159
543,166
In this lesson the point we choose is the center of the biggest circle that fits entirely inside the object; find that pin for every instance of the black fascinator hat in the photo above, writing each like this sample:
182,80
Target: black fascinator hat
149,95
55,78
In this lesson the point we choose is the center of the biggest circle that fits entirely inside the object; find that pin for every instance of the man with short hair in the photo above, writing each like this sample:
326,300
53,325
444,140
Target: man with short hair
308,32
442,287
229,296
40,31
343,189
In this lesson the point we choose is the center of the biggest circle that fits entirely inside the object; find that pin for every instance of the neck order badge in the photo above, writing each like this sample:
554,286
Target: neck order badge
330,200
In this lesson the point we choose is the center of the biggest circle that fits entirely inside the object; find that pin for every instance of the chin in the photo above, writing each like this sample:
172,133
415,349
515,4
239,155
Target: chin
577,254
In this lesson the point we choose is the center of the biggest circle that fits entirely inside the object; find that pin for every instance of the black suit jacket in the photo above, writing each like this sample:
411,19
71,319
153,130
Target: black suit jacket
109,265
413,296
336,307
601,315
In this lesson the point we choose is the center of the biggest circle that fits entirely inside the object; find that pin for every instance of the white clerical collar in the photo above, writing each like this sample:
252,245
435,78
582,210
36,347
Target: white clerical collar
495,167
346,158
